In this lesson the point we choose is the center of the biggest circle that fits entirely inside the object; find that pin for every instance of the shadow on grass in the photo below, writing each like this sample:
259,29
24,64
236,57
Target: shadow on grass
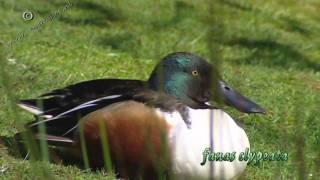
92,13
285,22
182,10
123,41
96,14
271,53
237,5
102,14
130,41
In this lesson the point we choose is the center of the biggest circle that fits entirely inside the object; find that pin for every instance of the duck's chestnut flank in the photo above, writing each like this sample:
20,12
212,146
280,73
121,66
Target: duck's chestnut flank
137,137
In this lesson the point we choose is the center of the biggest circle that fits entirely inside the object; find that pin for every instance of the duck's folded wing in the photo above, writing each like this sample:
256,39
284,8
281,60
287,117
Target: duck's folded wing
65,123
60,100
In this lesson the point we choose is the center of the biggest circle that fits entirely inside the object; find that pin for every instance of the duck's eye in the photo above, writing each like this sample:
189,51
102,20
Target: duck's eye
195,73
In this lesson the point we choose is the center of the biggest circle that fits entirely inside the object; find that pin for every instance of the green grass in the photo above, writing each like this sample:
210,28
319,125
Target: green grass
269,50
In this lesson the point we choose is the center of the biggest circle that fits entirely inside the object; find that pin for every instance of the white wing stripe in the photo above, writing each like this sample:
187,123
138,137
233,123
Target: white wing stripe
81,106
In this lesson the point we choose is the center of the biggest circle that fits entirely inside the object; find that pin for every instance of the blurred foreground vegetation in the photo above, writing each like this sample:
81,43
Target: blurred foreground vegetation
269,50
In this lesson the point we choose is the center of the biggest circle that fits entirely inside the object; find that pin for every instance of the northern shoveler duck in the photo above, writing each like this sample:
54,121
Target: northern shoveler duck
165,125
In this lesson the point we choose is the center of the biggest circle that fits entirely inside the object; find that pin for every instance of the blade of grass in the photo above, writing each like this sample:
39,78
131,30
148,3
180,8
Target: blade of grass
83,147
42,134
105,147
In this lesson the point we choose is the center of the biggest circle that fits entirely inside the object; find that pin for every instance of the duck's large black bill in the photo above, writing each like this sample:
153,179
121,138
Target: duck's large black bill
237,100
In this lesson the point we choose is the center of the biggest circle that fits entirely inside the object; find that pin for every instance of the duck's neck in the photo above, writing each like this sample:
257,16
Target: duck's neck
173,84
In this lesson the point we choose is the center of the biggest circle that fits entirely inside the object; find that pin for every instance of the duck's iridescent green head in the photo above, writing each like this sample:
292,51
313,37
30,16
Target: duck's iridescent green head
185,76
195,82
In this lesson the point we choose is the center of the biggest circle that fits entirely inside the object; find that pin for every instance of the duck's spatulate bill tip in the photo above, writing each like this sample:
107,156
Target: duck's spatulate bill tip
235,99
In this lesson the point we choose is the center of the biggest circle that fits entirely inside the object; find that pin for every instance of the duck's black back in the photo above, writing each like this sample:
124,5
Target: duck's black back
67,105
61,100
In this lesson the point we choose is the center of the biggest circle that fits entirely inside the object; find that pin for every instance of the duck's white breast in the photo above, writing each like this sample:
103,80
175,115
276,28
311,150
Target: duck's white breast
213,129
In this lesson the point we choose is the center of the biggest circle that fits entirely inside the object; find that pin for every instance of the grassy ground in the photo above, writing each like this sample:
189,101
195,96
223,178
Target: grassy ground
269,50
